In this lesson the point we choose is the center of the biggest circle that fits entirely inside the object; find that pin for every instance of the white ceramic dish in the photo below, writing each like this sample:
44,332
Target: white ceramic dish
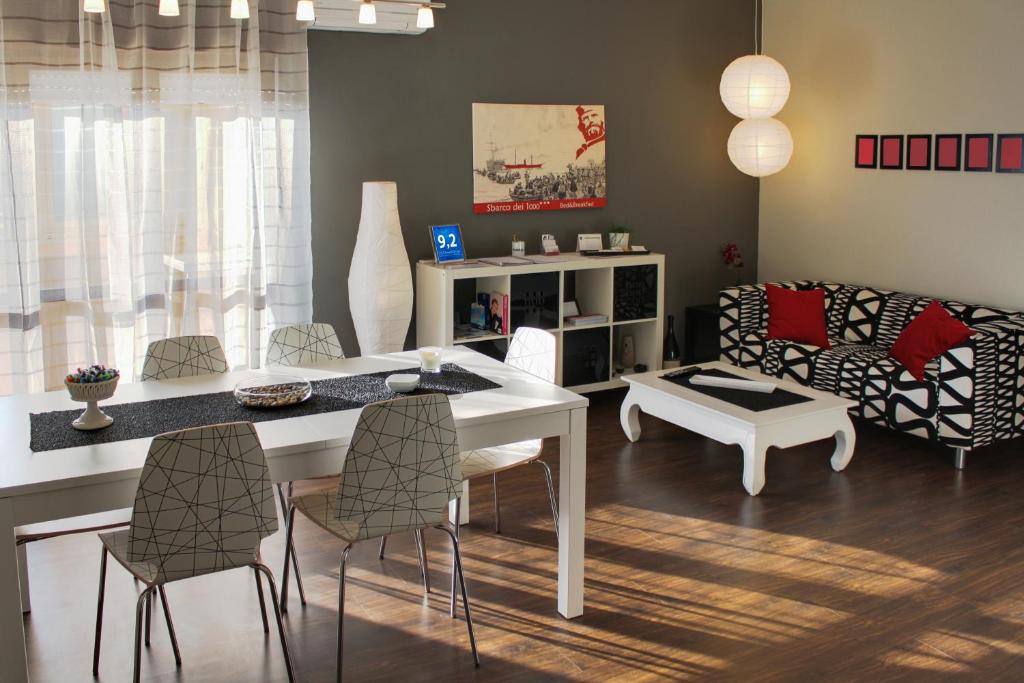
402,384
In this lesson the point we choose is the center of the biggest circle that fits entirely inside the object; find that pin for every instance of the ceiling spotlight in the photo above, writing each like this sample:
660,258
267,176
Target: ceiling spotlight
367,12
304,11
425,17
168,8
239,9
93,6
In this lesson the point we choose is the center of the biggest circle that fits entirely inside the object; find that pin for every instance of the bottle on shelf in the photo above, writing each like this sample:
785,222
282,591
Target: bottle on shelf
671,357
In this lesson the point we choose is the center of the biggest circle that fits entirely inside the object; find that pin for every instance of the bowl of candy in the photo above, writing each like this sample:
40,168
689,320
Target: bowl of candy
91,385
272,391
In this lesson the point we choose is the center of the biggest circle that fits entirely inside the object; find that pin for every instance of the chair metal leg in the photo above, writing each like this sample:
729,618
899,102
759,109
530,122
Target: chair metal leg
99,613
263,602
383,542
288,548
497,505
421,549
277,615
140,607
455,574
551,493
341,608
170,626
465,592
289,554
149,612
298,576
960,458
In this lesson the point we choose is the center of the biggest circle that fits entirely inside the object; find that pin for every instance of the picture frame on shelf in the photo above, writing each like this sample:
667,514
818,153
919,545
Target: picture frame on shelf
919,152
890,149
447,243
978,152
865,153
1010,153
948,151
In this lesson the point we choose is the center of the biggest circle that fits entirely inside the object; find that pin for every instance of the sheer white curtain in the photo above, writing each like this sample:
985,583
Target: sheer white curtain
154,181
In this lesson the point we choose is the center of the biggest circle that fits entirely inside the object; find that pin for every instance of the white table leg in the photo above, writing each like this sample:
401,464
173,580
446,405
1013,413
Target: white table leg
463,507
846,439
753,465
572,483
26,594
13,662
629,417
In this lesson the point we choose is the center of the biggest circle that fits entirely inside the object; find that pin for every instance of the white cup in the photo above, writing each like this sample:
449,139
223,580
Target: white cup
430,359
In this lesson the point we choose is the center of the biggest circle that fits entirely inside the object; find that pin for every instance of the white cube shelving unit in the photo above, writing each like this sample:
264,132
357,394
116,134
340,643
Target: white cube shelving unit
587,355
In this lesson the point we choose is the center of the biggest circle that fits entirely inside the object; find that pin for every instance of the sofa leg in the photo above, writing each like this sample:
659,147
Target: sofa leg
960,458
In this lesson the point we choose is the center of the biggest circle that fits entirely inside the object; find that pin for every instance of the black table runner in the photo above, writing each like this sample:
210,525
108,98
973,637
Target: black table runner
53,430
751,400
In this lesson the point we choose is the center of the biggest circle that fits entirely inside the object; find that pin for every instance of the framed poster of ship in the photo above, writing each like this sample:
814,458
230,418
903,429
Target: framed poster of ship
538,157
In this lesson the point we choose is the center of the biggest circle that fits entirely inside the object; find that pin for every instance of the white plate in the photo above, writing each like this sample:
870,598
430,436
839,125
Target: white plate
401,384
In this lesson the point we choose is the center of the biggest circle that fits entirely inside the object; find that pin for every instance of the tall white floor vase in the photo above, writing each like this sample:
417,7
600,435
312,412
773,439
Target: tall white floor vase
380,280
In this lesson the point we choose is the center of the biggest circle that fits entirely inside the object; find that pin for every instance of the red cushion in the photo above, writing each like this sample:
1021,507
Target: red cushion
797,316
928,336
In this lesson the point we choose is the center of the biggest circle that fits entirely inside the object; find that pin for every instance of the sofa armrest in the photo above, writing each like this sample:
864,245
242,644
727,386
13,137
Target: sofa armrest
743,309
981,386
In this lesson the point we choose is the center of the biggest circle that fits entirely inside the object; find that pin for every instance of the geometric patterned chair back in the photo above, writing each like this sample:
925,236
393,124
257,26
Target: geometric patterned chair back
402,467
303,345
183,357
533,351
204,502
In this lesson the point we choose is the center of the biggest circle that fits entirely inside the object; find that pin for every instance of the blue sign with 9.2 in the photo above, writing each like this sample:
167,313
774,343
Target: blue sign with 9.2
448,243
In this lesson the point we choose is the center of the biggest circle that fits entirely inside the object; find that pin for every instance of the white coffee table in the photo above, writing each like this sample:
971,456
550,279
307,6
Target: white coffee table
822,417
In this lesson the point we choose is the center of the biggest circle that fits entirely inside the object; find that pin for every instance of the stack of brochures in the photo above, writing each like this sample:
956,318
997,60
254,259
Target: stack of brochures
592,319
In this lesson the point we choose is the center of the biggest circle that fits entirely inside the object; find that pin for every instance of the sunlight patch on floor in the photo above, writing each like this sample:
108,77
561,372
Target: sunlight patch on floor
923,658
801,559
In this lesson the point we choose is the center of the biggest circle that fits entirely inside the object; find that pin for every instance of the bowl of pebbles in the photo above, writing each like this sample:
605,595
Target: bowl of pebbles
90,386
272,391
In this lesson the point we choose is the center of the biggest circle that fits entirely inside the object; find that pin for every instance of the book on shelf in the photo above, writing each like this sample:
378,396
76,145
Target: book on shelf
497,313
489,313
478,316
591,319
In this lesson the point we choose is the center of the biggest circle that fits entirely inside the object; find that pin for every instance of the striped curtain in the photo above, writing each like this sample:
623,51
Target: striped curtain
154,181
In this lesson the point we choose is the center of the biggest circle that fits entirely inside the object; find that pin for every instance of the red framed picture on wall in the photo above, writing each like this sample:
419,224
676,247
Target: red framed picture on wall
919,152
865,153
891,147
1010,153
978,152
947,151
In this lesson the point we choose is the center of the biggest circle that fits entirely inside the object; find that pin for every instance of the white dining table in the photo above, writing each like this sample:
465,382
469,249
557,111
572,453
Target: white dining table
50,485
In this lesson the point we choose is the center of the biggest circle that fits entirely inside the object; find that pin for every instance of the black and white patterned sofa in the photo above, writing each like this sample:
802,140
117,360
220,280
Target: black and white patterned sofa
972,395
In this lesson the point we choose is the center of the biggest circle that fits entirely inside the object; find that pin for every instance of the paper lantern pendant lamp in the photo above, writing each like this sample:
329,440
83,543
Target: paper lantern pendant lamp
760,147
754,87
380,280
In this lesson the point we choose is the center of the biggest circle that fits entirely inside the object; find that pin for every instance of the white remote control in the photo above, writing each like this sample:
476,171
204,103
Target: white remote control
730,383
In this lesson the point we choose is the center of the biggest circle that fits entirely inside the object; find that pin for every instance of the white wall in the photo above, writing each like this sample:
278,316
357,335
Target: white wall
896,66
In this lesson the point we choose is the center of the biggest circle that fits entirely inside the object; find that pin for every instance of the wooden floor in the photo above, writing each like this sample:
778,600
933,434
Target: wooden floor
900,568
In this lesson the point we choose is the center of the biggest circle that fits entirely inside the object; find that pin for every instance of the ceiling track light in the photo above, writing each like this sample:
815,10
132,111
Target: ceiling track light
168,8
239,9
425,17
304,11
367,13
93,6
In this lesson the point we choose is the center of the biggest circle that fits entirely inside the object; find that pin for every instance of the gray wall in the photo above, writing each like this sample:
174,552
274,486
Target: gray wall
398,108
